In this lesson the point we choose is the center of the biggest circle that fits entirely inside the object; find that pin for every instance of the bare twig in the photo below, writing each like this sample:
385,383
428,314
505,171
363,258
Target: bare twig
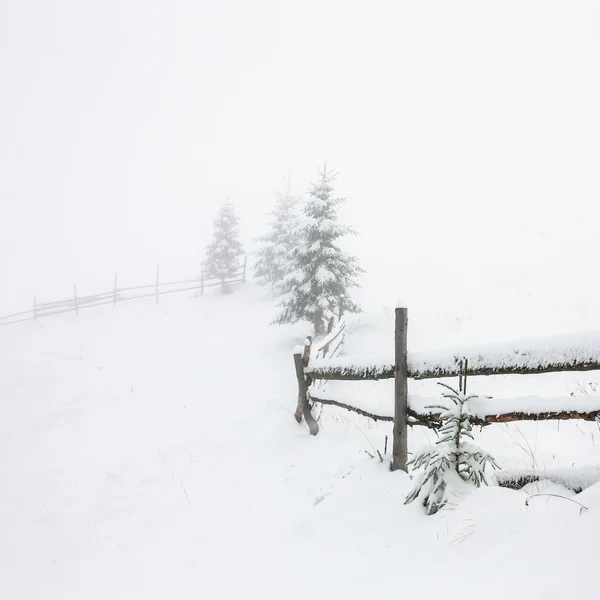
557,496
184,491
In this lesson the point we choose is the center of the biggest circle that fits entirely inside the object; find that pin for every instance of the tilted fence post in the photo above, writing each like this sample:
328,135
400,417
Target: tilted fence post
301,360
400,447
202,283
115,292
75,296
244,272
34,307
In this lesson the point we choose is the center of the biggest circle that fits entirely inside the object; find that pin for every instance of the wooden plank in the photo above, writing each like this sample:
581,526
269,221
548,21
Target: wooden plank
350,372
71,302
19,314
332,336
433,421
316,397
16,321
157,271
376,372
554,367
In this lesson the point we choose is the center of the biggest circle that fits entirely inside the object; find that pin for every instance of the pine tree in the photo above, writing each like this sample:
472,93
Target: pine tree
222,254
452,461
274,255
320,274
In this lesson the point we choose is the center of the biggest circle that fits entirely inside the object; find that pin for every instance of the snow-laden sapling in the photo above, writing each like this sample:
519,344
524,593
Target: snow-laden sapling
453,461
223,253
274,256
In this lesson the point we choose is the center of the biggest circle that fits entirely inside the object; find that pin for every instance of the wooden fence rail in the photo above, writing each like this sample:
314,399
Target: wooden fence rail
575,352
117,295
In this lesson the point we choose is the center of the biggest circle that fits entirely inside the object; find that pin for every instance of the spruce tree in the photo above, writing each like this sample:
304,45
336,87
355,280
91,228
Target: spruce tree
223,253
453,461
276,247
320,274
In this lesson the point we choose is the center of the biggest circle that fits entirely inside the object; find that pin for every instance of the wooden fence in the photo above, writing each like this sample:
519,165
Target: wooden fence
577,352
121,294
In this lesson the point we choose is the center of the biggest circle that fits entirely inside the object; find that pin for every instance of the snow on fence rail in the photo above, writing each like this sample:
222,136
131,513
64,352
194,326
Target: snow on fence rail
575,352
124,294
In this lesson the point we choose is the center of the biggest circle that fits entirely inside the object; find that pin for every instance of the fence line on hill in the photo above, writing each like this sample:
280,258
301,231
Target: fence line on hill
76,303
579,352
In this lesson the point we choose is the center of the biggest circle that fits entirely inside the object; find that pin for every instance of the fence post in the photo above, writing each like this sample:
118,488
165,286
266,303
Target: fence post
303,409
34,307
157,271
400,447
245,265
330,324
202,284
75,296
341,307
115,292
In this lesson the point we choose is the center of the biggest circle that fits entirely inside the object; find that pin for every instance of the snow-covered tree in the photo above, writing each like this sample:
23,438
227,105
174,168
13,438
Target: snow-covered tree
275,252
223,253
453,461
320,274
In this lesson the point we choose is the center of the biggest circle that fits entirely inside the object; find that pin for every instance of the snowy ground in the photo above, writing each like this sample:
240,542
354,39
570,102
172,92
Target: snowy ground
150,452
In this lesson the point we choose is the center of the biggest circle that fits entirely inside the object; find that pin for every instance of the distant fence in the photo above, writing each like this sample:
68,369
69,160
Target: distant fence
121,294
578,352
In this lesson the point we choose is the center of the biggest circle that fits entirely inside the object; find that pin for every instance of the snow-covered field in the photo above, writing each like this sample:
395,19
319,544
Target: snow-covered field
151,452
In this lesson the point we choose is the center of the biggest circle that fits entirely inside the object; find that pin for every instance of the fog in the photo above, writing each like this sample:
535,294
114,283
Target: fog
123,125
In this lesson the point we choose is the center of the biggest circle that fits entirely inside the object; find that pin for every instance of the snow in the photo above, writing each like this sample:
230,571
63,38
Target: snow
581,349
401,303
481,407
382,403
573,478
354,364
134,464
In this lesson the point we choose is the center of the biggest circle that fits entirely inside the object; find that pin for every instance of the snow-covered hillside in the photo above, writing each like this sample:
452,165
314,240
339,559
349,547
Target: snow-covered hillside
151,452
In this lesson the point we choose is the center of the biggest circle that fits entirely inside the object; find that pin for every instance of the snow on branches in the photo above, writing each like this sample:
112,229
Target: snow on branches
319,273
453,461
275,252
223,253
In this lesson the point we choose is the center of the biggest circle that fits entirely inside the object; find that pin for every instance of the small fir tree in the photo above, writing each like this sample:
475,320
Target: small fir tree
223,253
276,247
320,274
453,461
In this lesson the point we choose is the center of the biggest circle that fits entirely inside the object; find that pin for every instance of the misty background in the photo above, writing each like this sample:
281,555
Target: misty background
465,134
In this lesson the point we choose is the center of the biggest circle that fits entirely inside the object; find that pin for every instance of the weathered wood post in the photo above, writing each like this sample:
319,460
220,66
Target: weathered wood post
157,271
115,292
330,324
245,266
301,358
75,296
34,307
400,448
202,283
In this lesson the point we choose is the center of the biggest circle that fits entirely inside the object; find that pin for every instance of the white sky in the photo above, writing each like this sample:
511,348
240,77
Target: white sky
123,124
